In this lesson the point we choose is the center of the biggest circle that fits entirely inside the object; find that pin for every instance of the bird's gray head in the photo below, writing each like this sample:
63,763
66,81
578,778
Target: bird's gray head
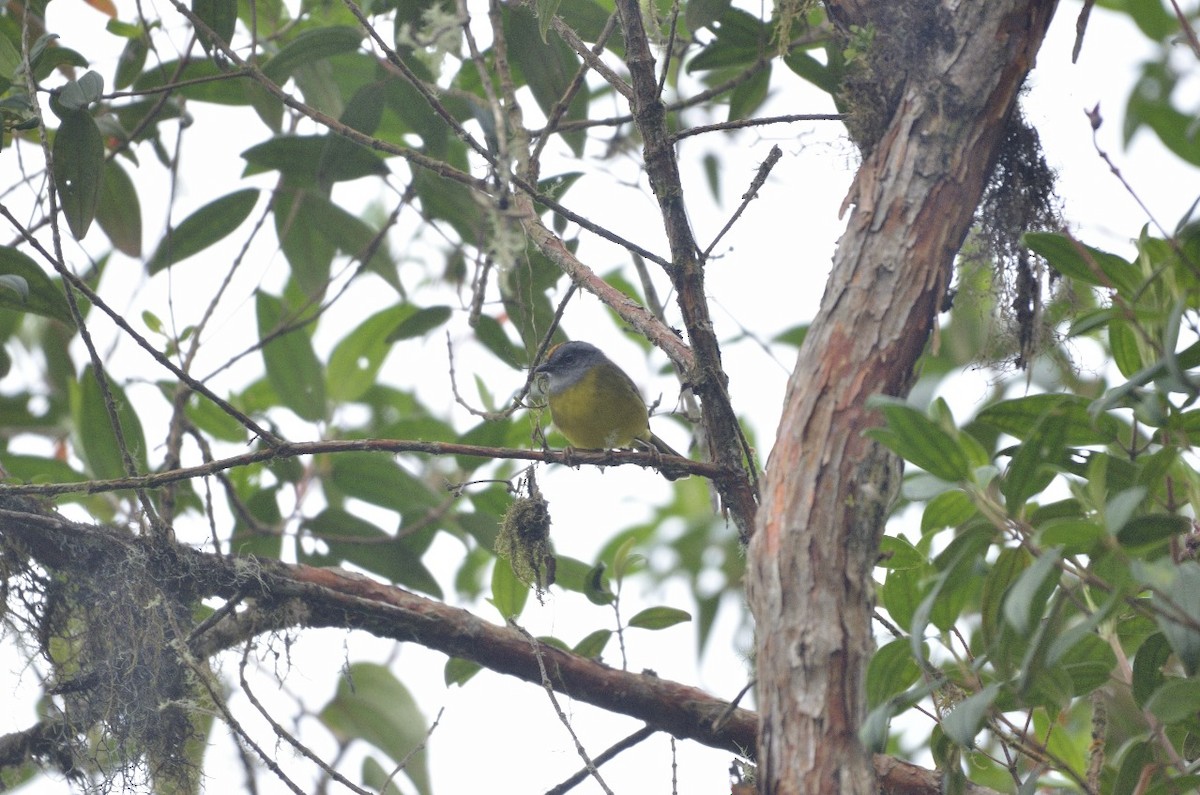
566,365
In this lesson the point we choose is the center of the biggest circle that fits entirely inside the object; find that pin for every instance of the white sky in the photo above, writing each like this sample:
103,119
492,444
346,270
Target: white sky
498,734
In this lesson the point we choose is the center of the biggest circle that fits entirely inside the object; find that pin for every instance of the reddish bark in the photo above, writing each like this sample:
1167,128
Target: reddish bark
812,555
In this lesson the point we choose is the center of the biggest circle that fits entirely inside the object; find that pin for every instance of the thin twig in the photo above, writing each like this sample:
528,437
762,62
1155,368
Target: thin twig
98,371
602,458
562,716
287,736
759,121
760,179
416,749
141,341
608,754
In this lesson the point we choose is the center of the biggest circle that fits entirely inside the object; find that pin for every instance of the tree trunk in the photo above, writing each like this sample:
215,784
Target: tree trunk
955,70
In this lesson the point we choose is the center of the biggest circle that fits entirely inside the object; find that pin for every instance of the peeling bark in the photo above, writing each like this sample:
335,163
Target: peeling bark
811,558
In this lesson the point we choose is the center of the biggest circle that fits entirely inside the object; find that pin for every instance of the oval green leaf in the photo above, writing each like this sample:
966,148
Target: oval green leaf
355,361
373,705
302,158
97,439
509,594
310,46
377,478
967,717
293,368
119,212
45,296
78,169
419,323
659,618
921,441
211,223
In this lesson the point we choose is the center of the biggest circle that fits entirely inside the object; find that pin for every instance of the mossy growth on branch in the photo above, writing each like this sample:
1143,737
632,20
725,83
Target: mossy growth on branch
121,685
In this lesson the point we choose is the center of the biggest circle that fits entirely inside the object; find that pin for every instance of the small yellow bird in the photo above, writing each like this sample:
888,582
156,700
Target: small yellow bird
593,402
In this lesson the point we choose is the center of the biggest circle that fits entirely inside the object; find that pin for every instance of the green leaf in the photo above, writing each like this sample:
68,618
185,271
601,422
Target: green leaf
1148,666
1177,603
509,594
548,67
352,539
1152,529
45,296
1074,536
201,79
1010,564
131,61
220,15
97,439
742,39
76,95
897,553
492,336
891,671
1089,662
919,440
263,506
53,58
78,169
951,508
901,595
119,212
1028,594
1177,700
1121,507
749,96
299,214
419,323
380,779
355,361
303,160
967,717
546,9
212,419
1151,104
372,704
1020,416
700,14
1084,263
1153,19
36,469
315,44
10,62
960,582
293,369
1032,466
377,478
451,202
1134,759
593,645
659,618
812,70
1122,340
459,671
211,223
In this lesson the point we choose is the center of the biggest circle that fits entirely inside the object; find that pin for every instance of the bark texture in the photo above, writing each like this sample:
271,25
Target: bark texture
949,73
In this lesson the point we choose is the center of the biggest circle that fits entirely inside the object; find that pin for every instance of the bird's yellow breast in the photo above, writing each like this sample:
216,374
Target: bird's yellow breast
600,411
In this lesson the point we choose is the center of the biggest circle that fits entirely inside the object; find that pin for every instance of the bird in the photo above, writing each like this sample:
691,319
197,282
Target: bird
593,402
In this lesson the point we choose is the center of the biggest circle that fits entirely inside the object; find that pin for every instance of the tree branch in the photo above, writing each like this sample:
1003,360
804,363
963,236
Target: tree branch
574,458
707,377
287,596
